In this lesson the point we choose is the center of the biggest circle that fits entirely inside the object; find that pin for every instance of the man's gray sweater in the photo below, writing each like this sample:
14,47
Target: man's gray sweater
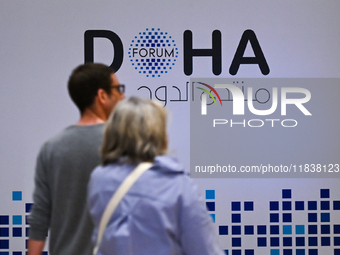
63,169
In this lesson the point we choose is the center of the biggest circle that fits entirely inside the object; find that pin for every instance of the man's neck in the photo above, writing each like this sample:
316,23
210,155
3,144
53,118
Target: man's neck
90,117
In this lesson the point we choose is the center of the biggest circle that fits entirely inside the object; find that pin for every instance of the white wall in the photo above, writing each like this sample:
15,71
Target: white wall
41,42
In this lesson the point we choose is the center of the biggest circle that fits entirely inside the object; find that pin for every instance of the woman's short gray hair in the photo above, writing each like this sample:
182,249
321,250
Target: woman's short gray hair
136,130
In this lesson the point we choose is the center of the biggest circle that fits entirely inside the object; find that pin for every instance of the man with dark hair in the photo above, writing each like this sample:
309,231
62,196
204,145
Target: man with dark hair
65,163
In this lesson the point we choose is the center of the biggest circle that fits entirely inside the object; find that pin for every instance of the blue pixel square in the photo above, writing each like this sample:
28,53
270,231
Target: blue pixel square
325,241
17,196
226,252
261,242
300,229
336,251
210,194
17,219
299,205
17,253
236,218
236,252
248,252
261,230
337,241
325,217
4,232
4,244
286,193
236,242
312,241
312,229
300,252
325,205
312,252
287,252
274,217
249,230
213,217
4,220
223,230
236,230
275,252
249,206
324,193
312,217
27,231
17,232
274,205
28,207
236,206
287,217
274,230
336,229
300,241
286,205
325,229
210,206
336,205
4,253
287,229
274,241
312,205
287,241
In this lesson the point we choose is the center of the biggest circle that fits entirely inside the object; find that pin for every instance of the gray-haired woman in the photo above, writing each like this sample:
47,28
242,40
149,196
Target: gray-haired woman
162,213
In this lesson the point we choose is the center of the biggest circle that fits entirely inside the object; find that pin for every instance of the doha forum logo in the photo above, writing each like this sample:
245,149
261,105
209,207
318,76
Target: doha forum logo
153,52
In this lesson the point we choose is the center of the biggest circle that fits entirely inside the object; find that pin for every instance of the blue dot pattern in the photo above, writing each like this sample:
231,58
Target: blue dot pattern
282,233
279,234
153,52
14,228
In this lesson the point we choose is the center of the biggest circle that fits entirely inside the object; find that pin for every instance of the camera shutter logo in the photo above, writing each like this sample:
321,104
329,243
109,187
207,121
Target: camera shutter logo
204,97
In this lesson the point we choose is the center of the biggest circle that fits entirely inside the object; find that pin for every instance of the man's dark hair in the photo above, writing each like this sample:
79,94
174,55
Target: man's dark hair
85,81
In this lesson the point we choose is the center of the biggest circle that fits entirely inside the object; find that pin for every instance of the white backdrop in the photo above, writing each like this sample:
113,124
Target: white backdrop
41,42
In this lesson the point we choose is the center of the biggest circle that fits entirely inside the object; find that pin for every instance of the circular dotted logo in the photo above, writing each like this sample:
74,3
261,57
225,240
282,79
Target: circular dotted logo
153,52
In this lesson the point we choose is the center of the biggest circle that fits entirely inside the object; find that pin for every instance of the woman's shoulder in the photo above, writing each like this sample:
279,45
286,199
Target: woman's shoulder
104,175
169,164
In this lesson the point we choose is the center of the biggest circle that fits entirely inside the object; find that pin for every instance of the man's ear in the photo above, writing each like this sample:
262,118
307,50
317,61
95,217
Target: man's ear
101,96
